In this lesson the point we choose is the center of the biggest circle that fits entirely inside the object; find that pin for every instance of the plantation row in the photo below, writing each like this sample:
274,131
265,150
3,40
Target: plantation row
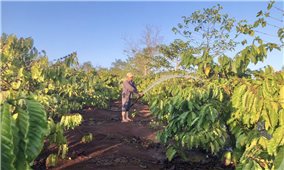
39,100
220,105
238,118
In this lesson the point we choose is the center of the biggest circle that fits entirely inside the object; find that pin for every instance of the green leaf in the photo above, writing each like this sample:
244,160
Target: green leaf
170,153
251,32
22,123
244,42
27,135
37,129
279,159
259,13
7,145
270,4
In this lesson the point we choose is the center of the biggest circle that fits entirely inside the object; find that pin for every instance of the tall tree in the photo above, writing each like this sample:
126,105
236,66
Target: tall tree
120,67
87,66
144,55
173,52
208,30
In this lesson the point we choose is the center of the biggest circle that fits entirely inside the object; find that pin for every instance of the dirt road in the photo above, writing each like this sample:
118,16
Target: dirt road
115,145
122,146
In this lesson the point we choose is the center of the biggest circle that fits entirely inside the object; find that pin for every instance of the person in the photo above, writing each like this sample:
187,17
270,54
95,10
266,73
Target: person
129,88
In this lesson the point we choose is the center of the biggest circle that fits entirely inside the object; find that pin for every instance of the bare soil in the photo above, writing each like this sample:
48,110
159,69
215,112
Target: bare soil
120,146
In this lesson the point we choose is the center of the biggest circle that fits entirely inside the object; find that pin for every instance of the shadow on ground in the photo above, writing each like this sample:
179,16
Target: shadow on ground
120,146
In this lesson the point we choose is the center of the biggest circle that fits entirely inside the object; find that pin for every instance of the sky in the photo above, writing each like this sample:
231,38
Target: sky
96,30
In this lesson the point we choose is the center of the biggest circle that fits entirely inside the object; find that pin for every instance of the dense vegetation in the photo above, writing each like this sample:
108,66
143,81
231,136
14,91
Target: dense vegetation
227,109
224,107
238,116
39,99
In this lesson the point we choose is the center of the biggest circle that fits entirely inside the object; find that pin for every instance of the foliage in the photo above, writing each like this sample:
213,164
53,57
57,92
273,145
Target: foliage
174,51
257,119
61,86
144,57
23,128
71,121
224,108
51,160
194,116
87,138
240,113
227,109
208,29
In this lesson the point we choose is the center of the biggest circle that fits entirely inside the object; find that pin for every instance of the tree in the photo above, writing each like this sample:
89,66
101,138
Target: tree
119,67
208,30
144,56
266,18
206,34
174,51
87,66
211,34
231,107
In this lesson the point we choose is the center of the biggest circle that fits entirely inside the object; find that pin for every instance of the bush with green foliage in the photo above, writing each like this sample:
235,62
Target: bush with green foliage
55,90
228,109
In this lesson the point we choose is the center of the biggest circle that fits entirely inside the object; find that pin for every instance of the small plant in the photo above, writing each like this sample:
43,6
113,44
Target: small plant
87,138
134,113
63,150
51,161
70,121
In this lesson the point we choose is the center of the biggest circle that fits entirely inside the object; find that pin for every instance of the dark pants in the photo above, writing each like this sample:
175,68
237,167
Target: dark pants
125,102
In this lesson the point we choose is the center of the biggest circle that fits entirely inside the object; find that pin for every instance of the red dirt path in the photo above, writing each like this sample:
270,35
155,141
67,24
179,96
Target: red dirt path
115,145
121,146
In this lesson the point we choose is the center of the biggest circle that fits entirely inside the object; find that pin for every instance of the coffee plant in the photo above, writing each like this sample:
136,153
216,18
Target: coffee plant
39,99
224,107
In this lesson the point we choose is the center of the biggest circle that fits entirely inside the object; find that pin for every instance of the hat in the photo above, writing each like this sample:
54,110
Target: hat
129,75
